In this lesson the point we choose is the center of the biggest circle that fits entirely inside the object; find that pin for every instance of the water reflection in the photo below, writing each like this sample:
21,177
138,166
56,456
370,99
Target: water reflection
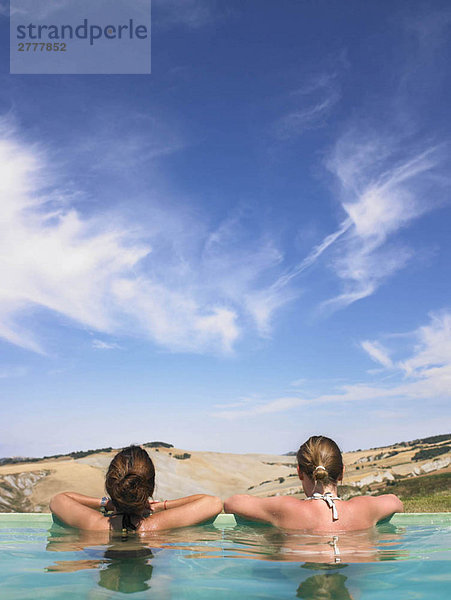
129,566
123,567
329,586
127,573
267,543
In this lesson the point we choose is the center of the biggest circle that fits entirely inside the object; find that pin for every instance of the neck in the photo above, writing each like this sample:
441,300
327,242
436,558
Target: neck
310,488
320,489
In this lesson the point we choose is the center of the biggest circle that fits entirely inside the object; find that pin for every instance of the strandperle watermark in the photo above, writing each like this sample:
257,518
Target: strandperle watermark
80,36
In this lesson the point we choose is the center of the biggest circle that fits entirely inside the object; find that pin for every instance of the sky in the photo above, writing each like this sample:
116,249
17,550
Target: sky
248,246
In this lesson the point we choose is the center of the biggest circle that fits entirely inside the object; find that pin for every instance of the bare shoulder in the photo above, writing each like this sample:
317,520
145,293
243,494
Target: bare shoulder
379,507
270,510
388,499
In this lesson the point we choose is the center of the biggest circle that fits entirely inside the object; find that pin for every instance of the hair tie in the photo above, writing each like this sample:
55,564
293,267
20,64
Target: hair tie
319,467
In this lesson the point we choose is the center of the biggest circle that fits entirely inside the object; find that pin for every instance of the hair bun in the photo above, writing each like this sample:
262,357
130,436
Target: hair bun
133,490
320,472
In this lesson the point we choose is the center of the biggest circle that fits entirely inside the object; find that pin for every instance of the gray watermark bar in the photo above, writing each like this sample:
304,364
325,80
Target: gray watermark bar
80,37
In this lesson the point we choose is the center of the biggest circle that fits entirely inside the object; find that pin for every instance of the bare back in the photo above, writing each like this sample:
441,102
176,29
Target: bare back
360,512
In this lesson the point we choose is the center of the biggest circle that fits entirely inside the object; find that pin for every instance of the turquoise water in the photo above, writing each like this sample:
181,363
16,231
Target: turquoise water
408,558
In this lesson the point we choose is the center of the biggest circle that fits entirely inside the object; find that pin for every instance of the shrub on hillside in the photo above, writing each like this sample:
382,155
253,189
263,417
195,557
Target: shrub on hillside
83,453
431,452
158,445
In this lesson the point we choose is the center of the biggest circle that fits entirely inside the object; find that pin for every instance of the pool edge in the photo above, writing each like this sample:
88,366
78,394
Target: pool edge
226,520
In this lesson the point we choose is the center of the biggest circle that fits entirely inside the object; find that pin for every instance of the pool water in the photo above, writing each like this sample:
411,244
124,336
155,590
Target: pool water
407,558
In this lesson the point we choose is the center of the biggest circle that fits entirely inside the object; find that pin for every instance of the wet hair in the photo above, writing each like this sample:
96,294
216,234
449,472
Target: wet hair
320,459
130,480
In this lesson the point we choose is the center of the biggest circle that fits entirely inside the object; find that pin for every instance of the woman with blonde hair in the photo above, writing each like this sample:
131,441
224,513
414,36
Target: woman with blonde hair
130,482
320,468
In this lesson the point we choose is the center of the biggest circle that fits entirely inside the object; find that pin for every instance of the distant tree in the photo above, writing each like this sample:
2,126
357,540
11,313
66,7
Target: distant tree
158,445
431,452
183,456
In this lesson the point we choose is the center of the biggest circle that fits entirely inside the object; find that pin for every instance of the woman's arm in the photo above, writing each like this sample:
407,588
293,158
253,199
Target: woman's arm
166,504
185,511
77,510
89,501
268,510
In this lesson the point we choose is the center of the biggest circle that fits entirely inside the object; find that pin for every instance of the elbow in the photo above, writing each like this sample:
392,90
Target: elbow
55,502
214,504
217,505
230,505
400,508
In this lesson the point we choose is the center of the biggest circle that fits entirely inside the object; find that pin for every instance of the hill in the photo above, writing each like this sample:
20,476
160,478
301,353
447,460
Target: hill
419,471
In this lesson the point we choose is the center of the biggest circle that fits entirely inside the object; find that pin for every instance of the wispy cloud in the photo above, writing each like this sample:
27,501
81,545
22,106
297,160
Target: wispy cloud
376,351
262,408
314,101
170,278
313,255
425,374
387,176
250,280
7,371
188,13
433,347
102,345
384,187
43,10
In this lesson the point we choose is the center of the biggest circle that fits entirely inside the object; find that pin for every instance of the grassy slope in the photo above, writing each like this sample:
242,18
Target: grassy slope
429,493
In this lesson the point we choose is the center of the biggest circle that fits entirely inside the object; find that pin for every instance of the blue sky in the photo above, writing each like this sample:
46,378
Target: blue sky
246,247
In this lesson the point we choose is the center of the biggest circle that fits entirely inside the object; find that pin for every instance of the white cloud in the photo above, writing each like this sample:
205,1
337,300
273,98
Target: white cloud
313,255
41,9
101,345
188,13
433,351
381,192
7,371
308,117
424,375
315,100
262,408
385,182
167,277
222,255
377,353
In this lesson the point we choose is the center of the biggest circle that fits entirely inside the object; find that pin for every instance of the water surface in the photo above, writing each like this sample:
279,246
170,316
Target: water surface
393,561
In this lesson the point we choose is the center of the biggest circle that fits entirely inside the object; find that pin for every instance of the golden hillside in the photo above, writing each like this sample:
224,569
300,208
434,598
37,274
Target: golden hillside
28,486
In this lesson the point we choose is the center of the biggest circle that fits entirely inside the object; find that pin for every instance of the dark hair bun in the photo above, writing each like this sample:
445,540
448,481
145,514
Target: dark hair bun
130,480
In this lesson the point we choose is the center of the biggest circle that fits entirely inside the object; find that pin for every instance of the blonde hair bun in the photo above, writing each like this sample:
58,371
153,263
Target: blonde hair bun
320,473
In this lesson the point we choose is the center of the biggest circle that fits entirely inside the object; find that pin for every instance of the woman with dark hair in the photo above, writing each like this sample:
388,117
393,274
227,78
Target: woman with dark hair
320,468
130,482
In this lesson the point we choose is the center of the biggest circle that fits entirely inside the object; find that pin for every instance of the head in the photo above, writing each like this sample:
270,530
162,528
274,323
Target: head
320,460
130,480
